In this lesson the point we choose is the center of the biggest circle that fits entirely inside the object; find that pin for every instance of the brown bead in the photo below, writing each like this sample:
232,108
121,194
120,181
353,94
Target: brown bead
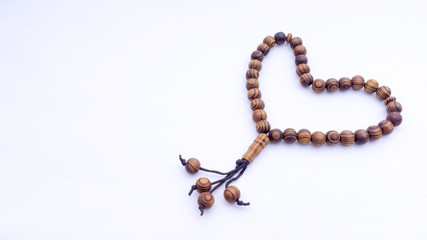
203,184
318,138
255,64
318,85
254,93
275,135
257,55
332,85
347,137
206,200
192,165
264,48
296,41
256,147
344,83
386,127
270,41
300,49
361,136
263,126
303,68
357,82
395,118
374,132
394,107
389,99
252,73
304,136
258,115
371,86
383,92
257,103
332,138
231,194
252,83
306,79
280,38
289,37
300,59
289,135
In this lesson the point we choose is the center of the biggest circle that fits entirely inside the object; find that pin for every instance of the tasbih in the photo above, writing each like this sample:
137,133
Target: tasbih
231,193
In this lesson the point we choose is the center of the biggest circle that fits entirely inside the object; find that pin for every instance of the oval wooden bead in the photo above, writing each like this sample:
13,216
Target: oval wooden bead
395,118
383,92
361,136
275,135
344,83
252,73
263,126
300,49
389,99
318,138
252,83
280,38
296,41
256,147
264,48
254,93
206,200
258,115
270,41
257,55
255,64
374,132
386,127
304,136
306,79
289,37
332,138
303,68
347,137
257,103
332,85
357,82
231,194
394,107
371,86
192,165
301,59
318,85
203,184
289,135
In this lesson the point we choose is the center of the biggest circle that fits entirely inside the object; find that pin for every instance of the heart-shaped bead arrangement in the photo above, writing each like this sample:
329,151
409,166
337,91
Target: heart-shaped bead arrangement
231,193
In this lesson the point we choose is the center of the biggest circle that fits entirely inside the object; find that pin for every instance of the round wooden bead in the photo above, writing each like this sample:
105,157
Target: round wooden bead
252,83
361,136
264,48
374,132
347,137
332,138
386,127
255,64
357,82
263,126
371,86
275,135
300,49
303,68
258,115
257,55
318,85
318,138
203,184
344,83
306,79
231,194
296,41
395,118
270,41
252,73
300,59
289,37
332,85
257,103
254,93
304,136
383,92
280,38
389,99
192,165
394,107
206,200
289,135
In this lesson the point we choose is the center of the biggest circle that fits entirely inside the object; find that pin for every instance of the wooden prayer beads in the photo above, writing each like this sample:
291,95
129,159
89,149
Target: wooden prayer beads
318,138
306,79
344,83
192,166
231,194
374,132
332,85
332,138
357,82
275,135
206,200
361,136
347,137
304,136
371,86
203,185
289,135
318,85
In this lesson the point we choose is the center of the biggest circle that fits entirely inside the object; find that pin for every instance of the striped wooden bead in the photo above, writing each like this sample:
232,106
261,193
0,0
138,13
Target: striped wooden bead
257,103
275,135
332,137
254,93
306,79
257,55
386,127
231,194
289,37
258,115
296,41
255,64
394,107
264,48
206,200
344,83
304,136
256,147
203,184
303,68
252,83
270,41
252,73
347,137
389,99
383,92
301,59
371,86
395,118
280,38
300,49
374,132
192,165
289,135
318,138
361,136
318,85
357,82
263,126
332,85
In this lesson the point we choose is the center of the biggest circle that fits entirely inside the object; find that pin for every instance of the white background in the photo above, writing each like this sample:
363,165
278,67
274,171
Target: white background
98,99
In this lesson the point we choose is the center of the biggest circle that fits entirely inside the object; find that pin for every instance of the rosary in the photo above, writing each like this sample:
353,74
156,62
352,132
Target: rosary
231,193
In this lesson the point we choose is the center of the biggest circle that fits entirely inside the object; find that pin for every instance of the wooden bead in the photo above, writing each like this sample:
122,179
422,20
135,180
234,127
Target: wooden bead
255,64
394,107
258,115
252,83
357,82
254,93
289,37
303,68
257,103
332,138
301,59
192,165
289,135
395,118
332,85
257,55
318,138
280,38
300,49
389,99
347,137
371,86
270,41
263,126
344,83
252,73
231,194
386,127
275,135
374,132
206,200
203,184
383,92
318,85
296,41
264,48
306,79
256,147
304,136
361,136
